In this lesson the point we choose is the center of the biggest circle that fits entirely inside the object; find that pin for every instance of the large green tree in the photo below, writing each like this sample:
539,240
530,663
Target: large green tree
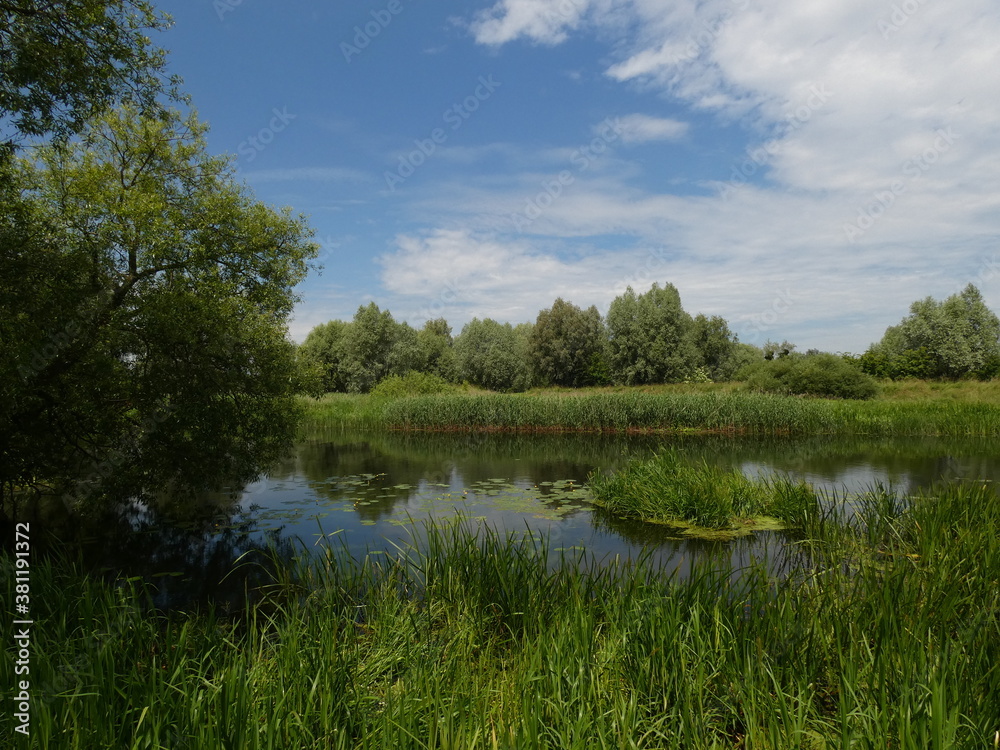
437,352
651,337
494,355
567,344
144,295
322,353
374,347
64,62
959,337
719,354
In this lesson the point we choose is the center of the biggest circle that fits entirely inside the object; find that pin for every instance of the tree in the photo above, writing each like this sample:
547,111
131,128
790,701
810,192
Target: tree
565,343
145,296
492,355
374,347
323,349
959,337
774,350
718,353
437,353
650,337
67,61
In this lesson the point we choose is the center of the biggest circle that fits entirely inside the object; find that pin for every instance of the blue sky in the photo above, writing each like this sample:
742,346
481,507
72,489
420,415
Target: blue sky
806,170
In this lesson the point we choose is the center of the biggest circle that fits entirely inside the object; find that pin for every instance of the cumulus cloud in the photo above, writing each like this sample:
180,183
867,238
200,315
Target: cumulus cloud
542,21
873,124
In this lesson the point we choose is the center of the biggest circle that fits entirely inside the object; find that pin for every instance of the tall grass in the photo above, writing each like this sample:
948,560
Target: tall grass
666,489
735,412
887,635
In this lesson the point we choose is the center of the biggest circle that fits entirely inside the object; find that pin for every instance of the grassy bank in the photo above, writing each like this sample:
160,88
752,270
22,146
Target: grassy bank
720,410
887,636
665,489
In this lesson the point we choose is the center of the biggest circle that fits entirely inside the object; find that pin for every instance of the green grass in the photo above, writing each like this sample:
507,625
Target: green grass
905,408
699,497
885,635
734,412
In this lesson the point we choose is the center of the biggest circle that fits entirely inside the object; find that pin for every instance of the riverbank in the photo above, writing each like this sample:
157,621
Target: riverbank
886,634
903,409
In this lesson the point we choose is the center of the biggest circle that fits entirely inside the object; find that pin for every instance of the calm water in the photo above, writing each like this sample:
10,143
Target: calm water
370,490
367,488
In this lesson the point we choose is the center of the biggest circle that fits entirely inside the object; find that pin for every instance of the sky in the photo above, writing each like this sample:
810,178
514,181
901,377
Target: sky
804,169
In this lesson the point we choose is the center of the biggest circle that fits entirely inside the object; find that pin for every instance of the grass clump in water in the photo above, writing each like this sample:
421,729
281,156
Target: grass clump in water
666,489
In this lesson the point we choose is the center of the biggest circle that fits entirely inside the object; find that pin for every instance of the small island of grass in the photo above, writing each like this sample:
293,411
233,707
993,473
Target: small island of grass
702,500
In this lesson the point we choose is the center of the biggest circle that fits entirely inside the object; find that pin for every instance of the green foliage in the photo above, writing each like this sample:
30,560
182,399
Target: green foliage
567,345
437,353
774,350
144,295
957,338
884,635
719,355
906,363
374,347
650,337
666,489
810,375
353,357
66,62
493,355
322,352
410,384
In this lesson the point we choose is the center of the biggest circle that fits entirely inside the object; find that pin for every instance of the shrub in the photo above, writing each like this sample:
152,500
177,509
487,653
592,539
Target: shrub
411,384
813,375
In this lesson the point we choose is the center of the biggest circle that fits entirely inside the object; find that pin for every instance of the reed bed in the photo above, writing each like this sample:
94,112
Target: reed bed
732,412
886,635
666,489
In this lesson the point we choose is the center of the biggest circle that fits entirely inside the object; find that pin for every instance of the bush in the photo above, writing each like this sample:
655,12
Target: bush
813,375
411,384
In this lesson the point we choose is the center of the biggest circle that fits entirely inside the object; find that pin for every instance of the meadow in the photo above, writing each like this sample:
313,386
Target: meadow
884,634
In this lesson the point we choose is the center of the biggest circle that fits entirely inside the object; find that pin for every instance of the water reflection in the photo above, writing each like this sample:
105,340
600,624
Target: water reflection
366,490
409,476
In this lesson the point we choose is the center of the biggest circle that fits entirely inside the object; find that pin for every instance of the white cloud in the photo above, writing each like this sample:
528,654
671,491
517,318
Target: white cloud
638,128
542,21
844,106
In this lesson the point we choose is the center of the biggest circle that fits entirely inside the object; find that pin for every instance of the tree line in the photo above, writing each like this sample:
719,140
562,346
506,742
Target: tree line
645,338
